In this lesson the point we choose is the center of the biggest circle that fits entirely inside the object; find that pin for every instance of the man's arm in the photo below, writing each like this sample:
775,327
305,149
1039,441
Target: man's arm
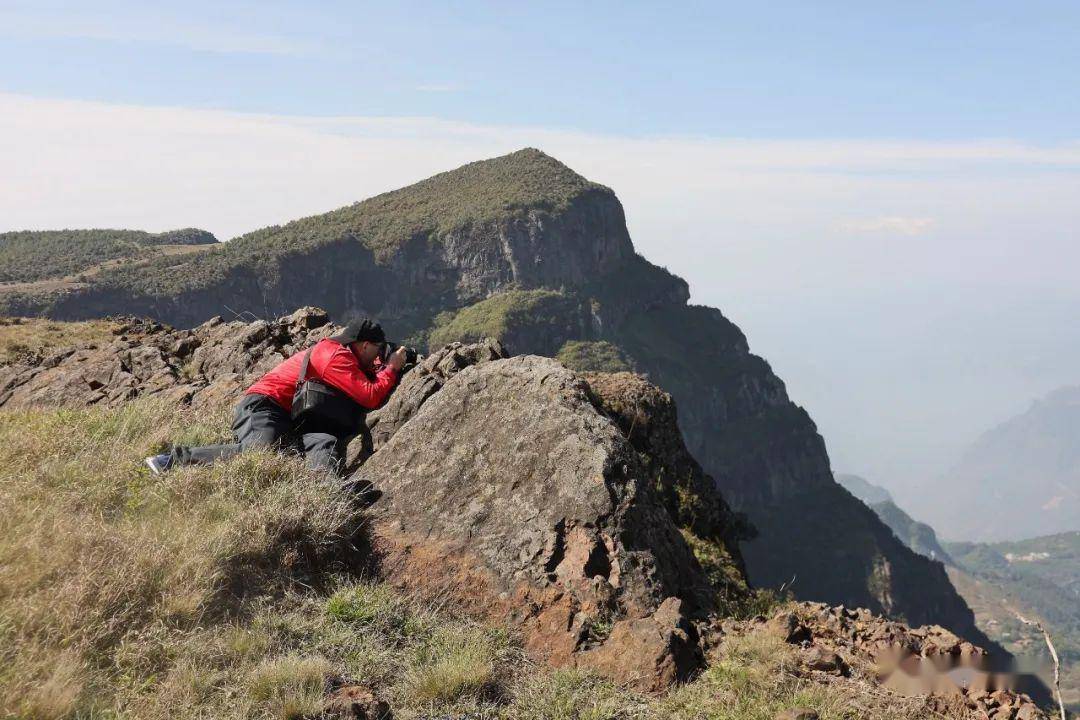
343,373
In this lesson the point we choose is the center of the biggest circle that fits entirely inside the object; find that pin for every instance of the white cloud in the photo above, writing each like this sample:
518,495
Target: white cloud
146,26
889,225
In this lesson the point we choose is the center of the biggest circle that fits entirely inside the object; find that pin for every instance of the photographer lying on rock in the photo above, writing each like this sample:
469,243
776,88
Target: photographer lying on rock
313,402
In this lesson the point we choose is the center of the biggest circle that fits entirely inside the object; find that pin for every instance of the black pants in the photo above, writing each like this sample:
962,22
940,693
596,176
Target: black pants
259,422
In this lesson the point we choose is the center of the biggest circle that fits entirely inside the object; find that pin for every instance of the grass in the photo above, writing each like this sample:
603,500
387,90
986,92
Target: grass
594,356
291,686
241,591
107,573
22,338
520,311
456,662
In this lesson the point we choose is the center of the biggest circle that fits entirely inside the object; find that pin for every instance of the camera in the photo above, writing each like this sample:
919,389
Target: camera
411,356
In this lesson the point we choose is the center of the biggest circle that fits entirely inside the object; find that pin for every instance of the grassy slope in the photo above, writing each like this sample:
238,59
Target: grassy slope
38,255
227,592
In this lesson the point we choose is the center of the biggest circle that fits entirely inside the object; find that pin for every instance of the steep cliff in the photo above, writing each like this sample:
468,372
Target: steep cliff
523,248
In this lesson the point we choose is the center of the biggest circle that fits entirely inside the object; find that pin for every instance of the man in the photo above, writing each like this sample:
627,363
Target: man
348,362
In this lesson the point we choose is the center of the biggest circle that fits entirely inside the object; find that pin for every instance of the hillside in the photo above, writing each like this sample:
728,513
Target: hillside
524,249
1021,478
594,573
30,256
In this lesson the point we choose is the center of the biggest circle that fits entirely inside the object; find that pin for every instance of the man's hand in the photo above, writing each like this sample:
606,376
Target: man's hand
397,359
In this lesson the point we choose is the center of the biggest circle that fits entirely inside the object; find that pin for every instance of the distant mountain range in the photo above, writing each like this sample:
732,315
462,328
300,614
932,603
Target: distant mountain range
1019,480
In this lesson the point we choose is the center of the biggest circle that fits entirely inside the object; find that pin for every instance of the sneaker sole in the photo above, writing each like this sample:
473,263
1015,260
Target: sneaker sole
149,462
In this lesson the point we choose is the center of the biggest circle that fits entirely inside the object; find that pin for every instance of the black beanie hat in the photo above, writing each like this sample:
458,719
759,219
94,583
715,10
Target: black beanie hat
361,330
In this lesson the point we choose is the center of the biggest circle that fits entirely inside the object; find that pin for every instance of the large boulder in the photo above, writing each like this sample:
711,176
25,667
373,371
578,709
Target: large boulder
510,492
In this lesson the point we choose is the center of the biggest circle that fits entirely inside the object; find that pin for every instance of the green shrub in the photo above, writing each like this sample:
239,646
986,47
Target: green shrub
363,604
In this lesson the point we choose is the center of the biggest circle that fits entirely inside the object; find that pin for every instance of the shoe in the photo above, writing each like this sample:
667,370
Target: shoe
158,463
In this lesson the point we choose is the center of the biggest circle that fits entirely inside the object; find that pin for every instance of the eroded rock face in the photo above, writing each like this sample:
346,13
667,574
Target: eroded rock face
509,492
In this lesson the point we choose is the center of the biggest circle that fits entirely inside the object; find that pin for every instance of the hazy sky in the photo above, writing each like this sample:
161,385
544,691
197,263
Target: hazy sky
886,200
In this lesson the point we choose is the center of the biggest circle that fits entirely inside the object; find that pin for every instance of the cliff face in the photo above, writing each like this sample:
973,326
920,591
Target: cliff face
420,262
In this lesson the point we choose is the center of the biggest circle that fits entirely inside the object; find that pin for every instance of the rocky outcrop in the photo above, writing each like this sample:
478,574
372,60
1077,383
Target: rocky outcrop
509,492
211,363
952,676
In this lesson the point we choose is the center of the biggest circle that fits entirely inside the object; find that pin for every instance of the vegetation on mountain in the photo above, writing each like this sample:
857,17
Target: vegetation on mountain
27,256
594,356
465,200
918,536
1037,577
497,315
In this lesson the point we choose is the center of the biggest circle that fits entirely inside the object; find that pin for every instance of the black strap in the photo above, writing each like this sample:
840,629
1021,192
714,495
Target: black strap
303,368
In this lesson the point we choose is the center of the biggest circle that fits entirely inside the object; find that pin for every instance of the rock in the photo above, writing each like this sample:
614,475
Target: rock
355,702
416,386
797,714
1029,711
510,493
825,660
649,653
788,628
647,417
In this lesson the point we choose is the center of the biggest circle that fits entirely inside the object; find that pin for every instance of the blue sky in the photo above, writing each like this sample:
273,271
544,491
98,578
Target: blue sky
937,70
884,196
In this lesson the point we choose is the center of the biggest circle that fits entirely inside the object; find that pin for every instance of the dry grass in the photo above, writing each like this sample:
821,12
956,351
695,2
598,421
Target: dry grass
291,686
105,571
34,337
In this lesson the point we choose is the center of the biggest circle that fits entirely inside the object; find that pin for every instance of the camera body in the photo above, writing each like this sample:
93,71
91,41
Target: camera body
411,356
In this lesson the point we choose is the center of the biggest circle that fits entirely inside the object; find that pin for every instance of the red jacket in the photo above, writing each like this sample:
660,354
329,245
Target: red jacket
334,364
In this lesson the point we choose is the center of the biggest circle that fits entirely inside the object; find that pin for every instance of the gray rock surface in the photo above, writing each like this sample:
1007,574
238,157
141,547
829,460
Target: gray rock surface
509,491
